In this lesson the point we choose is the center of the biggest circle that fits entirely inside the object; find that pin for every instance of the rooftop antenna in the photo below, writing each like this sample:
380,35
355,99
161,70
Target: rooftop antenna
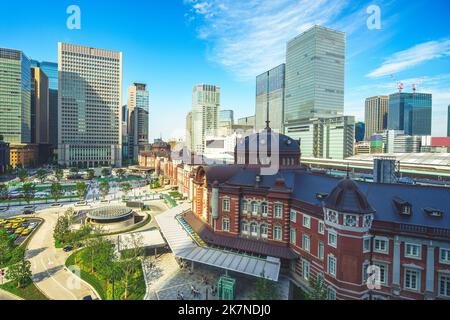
414,88
400,87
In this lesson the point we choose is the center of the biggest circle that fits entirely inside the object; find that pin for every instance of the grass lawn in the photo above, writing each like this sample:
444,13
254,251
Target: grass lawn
30,292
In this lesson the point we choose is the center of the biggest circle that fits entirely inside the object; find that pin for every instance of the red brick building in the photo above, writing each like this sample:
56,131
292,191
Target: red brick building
320,226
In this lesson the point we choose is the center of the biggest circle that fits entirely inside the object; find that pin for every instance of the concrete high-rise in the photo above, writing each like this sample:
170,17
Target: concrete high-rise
51,71
226,118
376,115
90,101
411,113
448,122
39,107
138,121
205,114
328,138
315,67
270,88
15,96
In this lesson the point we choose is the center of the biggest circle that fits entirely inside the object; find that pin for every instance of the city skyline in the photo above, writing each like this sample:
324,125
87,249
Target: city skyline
154,58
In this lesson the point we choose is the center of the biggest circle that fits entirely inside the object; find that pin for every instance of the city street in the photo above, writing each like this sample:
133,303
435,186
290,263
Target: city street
47,263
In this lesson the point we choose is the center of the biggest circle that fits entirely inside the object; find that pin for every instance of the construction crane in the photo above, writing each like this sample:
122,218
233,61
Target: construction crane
400,85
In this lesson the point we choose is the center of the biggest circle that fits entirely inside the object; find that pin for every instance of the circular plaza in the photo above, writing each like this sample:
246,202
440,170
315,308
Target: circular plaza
111,217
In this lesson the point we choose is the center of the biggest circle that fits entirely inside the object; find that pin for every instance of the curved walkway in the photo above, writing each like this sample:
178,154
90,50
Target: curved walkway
48,263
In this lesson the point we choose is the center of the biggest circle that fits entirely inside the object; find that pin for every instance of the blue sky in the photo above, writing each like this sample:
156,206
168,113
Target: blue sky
173,44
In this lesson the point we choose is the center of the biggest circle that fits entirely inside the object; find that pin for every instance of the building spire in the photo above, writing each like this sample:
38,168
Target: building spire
268,109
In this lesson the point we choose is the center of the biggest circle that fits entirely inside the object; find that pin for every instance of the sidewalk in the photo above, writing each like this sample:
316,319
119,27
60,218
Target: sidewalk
5,295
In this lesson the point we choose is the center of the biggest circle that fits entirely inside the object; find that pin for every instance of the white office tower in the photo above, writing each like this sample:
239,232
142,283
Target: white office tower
138,119
205,114
315,66
90,100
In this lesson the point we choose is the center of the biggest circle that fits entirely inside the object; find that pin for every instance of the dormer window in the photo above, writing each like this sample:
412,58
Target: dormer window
434,212
321,196
406,210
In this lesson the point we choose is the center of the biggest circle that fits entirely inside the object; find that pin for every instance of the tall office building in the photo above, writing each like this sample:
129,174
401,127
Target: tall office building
189,131
247,121
125,134
39,107
327,138
376,115
360,129
205,114
15,97
270,96
51,71
315,66
411,113
138,113
90,100
226,118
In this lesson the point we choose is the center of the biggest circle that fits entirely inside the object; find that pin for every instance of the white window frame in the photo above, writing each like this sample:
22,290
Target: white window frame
253,206
306,269
321,227
254,234
382,265
276,227
320,250
293,217
331,293
446,286
412,271
278,211
306,221
293,236
380,240
226,221
367,244
306,242
245,225
264,209
353,216
331,271
419,251
447,254
266,234
226,204
365,276
333,234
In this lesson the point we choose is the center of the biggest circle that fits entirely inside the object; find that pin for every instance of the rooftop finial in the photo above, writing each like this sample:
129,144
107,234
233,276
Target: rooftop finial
268,110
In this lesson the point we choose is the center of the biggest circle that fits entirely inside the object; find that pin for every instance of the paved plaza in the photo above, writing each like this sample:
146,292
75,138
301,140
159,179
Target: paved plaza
166,280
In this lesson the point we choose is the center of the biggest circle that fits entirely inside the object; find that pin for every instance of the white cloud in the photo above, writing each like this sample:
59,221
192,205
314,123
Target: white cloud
249,37
411,57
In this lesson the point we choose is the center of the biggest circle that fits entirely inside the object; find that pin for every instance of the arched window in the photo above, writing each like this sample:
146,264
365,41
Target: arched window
264,231
264,209
244,206
277,233
244,227
254,229
254,208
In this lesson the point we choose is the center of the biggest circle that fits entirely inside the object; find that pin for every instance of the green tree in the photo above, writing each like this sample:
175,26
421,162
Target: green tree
22,174
82,189
125,187
120,173
6,246
61,232
105,172
74,171
265,289
4,191
28,192
42,175
130,261
59,174
90,174
104,188
318,290
20,273
56,191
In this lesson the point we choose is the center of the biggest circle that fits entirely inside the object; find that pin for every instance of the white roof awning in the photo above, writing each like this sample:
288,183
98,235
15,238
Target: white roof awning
183,246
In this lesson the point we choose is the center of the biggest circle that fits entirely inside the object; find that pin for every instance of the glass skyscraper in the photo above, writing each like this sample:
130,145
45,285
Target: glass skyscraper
315,66
15,96
226,118
270,94
411,113
138,119
51,71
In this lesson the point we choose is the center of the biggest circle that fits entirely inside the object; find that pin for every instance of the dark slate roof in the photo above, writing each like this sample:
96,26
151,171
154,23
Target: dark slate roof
346,197
265,137
380,197
242,244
